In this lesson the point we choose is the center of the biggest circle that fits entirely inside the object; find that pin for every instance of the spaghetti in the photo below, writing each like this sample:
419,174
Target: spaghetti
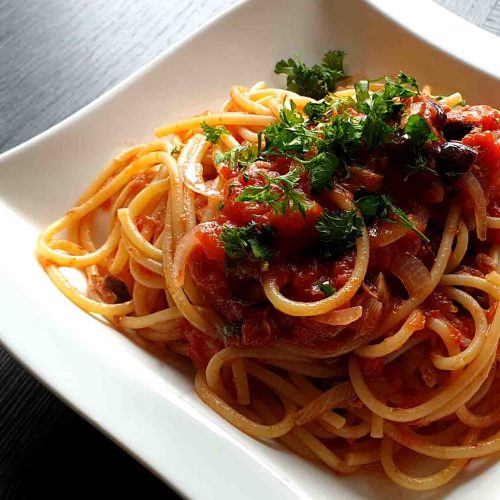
329,267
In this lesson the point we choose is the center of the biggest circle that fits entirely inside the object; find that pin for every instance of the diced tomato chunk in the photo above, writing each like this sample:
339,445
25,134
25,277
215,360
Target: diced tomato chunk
209,237
488,146
481,116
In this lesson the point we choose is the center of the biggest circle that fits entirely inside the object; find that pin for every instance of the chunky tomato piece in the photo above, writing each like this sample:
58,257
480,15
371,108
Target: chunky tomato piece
240,213
295,225
342,270
481,116
209,237
488,146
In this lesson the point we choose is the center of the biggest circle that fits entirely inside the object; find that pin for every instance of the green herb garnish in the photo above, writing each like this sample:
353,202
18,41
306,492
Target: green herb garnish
249,241
338,230
318,111
238,157
383,208
419,131
331,105
342,135
321,169
289,136
315,81
213,133
326,287
286,198
382,105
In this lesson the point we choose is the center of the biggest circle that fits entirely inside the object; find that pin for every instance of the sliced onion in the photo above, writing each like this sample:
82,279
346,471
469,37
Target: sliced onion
182,251
384,233
193,179
429,374
340,316
346,340
412,273
362,177
371,316
471,185
383,293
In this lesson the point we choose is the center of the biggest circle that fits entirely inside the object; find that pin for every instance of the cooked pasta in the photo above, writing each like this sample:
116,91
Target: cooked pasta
328,266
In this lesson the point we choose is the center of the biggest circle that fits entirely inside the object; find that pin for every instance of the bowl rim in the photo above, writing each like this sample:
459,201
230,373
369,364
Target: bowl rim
394,11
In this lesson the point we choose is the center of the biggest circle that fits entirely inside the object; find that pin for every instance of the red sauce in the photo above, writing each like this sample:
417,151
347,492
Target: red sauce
200,348
481,116
234,287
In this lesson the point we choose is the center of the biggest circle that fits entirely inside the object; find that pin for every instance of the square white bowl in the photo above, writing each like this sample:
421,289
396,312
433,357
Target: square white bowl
148,407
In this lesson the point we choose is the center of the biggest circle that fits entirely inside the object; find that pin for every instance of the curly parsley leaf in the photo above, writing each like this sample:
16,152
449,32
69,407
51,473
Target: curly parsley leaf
331,105
321,169
419,131
361,89
318,111
342,135
315,81
394,90
382,207
376,130
382,105
338,230
290,135
238,157
406,80
213,133
249,241
281,200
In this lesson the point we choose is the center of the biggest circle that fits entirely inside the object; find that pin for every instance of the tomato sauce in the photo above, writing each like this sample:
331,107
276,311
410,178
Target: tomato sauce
233,287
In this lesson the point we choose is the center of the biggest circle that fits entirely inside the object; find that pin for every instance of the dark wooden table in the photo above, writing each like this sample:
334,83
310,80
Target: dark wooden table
55,57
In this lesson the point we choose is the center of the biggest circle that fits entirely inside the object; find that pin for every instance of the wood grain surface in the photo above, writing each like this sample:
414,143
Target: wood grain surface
56,56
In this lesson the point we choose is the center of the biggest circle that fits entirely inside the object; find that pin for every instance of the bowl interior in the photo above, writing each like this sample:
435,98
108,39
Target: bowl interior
149,407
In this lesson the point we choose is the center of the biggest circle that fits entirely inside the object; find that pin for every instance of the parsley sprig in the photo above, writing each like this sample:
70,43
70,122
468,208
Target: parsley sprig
213,133
380,206
290,135
418,130
287,197
238,157
331,105
321,169
382,105
315,81
338,231
249,241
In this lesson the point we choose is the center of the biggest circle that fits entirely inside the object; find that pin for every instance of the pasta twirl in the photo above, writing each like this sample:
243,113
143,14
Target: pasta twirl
327,265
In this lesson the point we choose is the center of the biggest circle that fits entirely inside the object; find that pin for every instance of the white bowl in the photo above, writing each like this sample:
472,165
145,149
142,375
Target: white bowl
147,407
